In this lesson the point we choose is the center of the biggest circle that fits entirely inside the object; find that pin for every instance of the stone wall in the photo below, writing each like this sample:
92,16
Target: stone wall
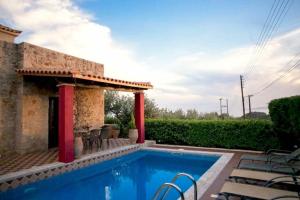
33,111
39,57
88,107
7,37
8,95
24,101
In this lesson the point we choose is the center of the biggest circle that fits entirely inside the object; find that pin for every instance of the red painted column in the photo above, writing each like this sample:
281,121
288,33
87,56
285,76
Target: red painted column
65,123
139,116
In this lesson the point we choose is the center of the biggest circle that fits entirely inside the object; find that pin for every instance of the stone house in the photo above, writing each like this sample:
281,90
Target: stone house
45,95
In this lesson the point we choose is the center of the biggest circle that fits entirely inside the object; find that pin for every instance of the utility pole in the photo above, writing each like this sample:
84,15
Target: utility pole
220,106
242,91
249,100
227,107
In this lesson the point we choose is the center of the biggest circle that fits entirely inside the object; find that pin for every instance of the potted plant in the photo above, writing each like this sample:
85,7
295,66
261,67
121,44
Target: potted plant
132,132
115,131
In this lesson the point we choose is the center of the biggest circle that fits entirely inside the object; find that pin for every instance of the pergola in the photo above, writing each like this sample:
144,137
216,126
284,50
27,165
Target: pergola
67,80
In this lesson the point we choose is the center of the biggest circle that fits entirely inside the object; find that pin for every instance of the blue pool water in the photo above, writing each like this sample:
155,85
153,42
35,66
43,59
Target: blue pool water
134,176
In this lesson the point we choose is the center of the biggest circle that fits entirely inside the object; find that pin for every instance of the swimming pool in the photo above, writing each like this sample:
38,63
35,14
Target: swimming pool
133,176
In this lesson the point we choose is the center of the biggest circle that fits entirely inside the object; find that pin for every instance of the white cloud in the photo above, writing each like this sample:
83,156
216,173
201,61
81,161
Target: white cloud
195,80
60,25
220,72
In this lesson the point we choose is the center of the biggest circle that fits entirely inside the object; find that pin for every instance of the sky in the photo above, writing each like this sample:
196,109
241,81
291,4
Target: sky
192,51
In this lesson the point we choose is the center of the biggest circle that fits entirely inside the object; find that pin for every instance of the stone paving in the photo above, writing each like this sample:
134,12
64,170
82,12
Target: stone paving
17,162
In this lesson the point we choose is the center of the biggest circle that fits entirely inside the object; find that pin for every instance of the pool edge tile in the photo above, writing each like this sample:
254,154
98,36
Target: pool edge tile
37,173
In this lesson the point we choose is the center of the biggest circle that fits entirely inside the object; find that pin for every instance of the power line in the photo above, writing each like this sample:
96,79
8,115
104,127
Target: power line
288,70
278,78
266,22
274,22
273,28
265,29
268,34
287,64
262,32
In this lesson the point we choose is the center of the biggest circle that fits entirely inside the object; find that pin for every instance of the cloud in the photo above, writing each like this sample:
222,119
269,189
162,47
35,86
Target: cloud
217,75
60,25
194,80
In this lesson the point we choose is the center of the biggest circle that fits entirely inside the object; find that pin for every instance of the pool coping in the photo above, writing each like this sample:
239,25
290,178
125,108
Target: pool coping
207,179
37,173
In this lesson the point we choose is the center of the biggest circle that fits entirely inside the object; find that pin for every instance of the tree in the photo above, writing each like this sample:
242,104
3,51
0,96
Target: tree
179,114
210,115
151,109
110,98
122,106
118,106
192,114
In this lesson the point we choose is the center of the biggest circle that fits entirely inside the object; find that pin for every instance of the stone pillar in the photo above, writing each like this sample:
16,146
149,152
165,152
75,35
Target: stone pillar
65,123
88,107
139,116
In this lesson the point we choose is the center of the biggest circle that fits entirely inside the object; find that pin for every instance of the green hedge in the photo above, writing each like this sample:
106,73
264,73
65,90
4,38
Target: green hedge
233,134
285,114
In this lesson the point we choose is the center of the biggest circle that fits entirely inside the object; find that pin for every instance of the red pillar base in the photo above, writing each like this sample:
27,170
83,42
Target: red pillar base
139,116
65,123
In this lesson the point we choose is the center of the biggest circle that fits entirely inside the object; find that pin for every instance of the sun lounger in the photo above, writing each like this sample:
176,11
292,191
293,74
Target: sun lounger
255,192
273,156
287,168
269,178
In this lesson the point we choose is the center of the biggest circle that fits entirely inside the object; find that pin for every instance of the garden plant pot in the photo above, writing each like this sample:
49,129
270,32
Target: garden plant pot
78,147
115,133
133,135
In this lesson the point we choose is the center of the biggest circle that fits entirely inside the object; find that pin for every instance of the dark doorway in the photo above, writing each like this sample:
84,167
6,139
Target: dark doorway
53,122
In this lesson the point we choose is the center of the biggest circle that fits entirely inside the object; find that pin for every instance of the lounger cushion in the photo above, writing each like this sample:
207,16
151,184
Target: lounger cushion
254,191
264,158
259,175
266,167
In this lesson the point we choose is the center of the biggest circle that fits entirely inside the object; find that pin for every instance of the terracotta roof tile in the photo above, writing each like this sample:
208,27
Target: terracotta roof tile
78,75
5,28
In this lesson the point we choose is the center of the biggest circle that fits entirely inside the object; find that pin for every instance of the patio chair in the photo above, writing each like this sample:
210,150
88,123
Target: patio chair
85,140
94,138
246,191
292,167
273,155
260,176
105,134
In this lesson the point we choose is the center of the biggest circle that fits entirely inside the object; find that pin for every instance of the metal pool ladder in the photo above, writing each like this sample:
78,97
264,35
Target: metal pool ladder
172,185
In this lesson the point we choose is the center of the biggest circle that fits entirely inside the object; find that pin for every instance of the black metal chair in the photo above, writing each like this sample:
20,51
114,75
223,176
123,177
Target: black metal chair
94,138
85,140
105,133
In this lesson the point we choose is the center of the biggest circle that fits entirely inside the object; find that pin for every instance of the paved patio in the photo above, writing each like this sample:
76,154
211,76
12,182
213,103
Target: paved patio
16,162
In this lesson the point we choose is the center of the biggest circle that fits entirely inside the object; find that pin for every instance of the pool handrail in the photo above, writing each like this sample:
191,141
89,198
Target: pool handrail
168,185
188,176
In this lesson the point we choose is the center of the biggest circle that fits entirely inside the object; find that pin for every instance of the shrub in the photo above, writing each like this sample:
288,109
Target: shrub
111,120
285,114
131,124
236,134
